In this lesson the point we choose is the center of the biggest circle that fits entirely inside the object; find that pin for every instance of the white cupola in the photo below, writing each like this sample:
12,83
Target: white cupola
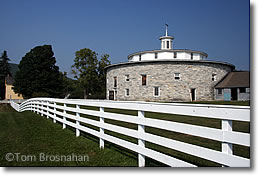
166,41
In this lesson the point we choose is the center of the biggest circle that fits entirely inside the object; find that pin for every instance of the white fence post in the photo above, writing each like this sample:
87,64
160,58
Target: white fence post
77,122
101,130
141,143
47,109
42,104
37,107
226,136
64,118
227,148
54,119
34,106
31,107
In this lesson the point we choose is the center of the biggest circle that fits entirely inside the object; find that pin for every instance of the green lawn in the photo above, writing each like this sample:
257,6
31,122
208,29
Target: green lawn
214,123
30,133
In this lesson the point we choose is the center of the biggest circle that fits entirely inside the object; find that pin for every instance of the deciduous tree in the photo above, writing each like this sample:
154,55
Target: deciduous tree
102,74
85,70
90,72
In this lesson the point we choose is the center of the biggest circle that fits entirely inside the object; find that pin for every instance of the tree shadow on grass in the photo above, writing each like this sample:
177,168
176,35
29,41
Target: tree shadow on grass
133,155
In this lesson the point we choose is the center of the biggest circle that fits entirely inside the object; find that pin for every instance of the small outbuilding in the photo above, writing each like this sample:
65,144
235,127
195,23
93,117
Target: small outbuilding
9,92
234,86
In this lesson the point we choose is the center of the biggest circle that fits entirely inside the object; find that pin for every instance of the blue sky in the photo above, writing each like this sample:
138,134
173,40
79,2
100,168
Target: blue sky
121,27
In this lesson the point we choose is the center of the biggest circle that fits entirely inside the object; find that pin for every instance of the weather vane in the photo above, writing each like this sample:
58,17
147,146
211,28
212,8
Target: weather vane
166,29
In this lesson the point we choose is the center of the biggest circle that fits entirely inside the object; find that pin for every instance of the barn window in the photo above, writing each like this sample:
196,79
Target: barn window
127,78
115,82
242,90
156,55
127,92
177,76
220,91
144,80
213,77
175,54
156,91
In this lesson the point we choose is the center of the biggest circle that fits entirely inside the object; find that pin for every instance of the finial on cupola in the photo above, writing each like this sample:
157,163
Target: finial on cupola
166,41
166,29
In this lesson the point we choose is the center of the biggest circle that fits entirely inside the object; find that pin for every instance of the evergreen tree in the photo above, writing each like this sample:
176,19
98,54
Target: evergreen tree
4,71
38,75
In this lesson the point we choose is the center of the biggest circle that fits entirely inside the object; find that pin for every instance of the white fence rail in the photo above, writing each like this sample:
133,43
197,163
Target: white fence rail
62,109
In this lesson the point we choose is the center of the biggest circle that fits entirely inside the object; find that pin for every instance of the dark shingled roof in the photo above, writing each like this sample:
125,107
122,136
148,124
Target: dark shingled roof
235,79
9,80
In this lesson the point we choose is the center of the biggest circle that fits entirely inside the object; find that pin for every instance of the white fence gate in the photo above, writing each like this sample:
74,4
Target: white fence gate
71,109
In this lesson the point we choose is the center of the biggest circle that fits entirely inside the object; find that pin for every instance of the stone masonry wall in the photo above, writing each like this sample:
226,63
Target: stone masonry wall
196,75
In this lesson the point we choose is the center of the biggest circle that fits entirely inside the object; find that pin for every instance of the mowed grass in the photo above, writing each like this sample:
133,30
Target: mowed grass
207,143
31,134
130,157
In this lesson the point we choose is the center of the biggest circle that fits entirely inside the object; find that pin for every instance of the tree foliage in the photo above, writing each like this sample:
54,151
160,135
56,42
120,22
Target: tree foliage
4,71
90,72
102,74
38,76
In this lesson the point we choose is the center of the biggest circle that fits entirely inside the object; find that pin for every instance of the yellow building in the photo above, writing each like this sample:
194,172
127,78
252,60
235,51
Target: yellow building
9,92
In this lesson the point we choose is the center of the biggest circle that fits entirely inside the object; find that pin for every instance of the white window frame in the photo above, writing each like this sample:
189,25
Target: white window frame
154,91
221,91
126,92
145,79
214,77
115,78
127,77
195,94
179,76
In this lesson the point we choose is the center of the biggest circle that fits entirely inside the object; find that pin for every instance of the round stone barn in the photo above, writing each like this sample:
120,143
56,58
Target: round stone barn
165,75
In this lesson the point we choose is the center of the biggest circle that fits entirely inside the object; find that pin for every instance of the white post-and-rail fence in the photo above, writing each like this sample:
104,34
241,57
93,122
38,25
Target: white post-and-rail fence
51,108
